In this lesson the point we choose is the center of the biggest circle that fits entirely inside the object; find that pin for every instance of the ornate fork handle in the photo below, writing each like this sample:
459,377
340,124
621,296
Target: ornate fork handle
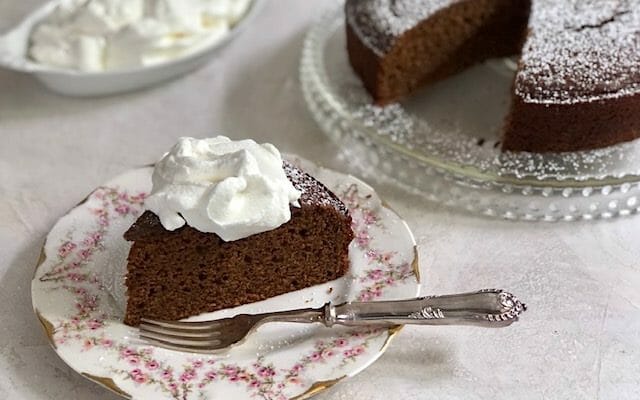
487,308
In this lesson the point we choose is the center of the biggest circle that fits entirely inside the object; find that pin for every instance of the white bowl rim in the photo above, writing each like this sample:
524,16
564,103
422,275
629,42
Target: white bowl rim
25,64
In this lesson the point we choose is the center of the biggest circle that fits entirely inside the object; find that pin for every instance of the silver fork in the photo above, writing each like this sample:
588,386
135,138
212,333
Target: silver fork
487,308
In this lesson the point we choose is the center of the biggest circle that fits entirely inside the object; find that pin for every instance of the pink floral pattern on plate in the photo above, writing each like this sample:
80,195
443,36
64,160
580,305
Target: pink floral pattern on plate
68,292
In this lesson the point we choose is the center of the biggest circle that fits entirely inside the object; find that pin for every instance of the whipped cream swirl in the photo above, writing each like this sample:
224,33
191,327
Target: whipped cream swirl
98,35
232,188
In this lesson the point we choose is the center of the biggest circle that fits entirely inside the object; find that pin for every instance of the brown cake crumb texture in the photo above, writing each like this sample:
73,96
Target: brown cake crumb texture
173,275
578,81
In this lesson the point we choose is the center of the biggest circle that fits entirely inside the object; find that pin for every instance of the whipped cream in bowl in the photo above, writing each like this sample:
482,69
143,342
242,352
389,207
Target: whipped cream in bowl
100,47
232,188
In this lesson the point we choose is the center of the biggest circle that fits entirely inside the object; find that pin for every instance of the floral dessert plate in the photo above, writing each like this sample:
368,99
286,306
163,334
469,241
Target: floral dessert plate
78,295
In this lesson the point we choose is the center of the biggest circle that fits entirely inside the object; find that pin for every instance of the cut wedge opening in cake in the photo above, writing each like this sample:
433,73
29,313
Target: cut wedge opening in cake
577,84
174,274
443,41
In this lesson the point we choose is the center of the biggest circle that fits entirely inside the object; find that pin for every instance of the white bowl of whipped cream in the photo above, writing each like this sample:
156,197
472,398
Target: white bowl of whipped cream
102,47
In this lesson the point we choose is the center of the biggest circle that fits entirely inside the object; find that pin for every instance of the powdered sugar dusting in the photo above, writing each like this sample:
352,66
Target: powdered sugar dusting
581,51
457,147
379,22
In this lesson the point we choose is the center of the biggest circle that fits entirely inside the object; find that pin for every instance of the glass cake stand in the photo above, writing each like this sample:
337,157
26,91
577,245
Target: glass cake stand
444,142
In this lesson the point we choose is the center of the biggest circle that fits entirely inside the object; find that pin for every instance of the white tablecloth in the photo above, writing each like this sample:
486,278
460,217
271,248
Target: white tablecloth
580,338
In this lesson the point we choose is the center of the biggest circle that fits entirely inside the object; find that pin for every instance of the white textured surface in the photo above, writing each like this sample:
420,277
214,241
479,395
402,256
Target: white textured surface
580,338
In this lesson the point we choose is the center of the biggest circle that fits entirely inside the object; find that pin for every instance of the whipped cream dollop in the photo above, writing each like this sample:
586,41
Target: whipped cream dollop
98,35
232,188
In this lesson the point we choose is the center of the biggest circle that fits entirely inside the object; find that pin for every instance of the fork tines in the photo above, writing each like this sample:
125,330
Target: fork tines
183,336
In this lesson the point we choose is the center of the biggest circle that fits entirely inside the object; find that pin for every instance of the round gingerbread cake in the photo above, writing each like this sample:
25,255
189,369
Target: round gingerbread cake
577,84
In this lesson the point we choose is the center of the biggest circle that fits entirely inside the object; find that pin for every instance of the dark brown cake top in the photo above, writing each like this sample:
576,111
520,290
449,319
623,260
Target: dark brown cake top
314,193
580,51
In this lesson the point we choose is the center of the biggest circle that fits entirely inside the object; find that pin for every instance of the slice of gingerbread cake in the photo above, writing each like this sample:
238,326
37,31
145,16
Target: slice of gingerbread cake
209,242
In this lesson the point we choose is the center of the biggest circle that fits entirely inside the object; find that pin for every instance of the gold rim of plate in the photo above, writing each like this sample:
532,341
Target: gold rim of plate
314,389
